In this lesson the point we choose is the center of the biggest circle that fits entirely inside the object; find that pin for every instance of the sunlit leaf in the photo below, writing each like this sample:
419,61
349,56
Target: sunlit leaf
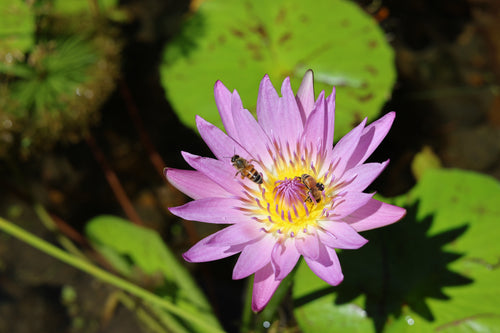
436,270
239,41
69,7
17,27
145,249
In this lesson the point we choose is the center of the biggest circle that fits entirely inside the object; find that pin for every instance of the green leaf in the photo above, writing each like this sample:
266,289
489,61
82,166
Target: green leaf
17,28
435,270
237,42
145,249
71,7
59,67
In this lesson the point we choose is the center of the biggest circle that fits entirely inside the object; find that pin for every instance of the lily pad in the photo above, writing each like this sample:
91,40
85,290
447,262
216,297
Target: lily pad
237,42
120,241
17,28
436,270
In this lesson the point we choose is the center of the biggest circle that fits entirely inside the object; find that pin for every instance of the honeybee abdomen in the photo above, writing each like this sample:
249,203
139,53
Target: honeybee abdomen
256,177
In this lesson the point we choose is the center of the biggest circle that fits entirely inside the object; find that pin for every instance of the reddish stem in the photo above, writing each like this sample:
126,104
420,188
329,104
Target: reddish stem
114,182
153,154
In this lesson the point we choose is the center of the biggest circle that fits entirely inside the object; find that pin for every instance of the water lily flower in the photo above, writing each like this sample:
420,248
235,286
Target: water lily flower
289,192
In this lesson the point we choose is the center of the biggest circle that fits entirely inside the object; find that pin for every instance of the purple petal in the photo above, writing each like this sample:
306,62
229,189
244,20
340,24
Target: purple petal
348,203
340,235
362,175
330,120
223,99
251,135
305,95
211,210
253,257
237,234
264,286
219,143
327,267
194,184
284,257
220,172
371,137
267,104
344,149
289,125
373,215
202,252
308,246
315,132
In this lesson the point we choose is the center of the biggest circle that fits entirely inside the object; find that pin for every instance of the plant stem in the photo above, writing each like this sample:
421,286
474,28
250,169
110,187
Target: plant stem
101,274
114,182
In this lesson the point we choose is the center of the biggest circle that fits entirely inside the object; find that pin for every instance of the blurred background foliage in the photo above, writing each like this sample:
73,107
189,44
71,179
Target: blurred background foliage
59,62
98,96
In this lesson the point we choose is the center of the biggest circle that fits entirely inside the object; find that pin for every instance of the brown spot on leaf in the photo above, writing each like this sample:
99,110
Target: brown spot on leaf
260,30
281,16
255,51
365,98
345,23
372,44
304,19
286,36
372,70
237,33
221,39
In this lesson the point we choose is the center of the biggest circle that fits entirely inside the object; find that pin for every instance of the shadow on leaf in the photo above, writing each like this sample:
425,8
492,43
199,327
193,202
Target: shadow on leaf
400,266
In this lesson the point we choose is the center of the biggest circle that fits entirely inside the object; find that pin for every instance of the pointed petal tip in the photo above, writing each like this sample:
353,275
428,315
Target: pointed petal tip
308,76
218,84
286,86
186,257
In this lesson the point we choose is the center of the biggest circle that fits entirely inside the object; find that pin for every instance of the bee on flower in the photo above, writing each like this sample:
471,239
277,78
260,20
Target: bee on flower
277,217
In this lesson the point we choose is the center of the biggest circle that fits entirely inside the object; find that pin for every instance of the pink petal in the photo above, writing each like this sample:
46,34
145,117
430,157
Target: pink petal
305,95
371,137
251,135
219,143
373,215
344,149
348,203
289,126
308,246
284,257
237,234
340,235
220,172
253,257
362,175
330,120
327,267
267,104
264,286
194,184
223,99
211,210
202,252
315,132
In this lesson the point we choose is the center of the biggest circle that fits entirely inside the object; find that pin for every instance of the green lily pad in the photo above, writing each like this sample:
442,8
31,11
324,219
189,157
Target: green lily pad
17,27
125,244
237,42
70,7
435,270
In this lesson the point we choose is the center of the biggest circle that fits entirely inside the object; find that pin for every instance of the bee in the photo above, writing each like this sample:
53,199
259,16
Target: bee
246,169
314,188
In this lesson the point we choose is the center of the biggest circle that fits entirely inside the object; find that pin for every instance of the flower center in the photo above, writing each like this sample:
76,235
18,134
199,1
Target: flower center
293,196
289,192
